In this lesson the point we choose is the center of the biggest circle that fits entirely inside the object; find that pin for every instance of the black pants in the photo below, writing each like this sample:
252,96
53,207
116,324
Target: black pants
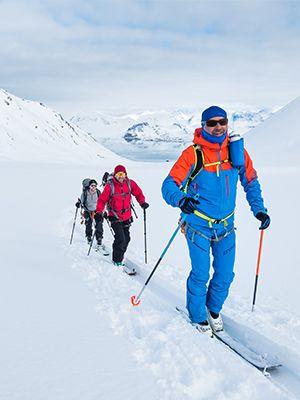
122,238
89,226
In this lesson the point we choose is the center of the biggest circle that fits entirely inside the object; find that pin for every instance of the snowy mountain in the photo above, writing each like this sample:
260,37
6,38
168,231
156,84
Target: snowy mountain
161,132
68,330
30,131
244,121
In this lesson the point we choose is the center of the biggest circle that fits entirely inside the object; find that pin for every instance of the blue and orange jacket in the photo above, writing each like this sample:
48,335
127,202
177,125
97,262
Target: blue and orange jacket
215,185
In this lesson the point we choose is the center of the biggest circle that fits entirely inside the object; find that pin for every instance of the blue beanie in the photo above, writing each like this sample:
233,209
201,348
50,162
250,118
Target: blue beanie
213,111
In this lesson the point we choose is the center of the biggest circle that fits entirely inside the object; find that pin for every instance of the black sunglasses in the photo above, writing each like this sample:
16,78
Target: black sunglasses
212,122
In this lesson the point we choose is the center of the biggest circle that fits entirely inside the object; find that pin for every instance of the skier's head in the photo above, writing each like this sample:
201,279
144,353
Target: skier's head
93,185
214,120
120,173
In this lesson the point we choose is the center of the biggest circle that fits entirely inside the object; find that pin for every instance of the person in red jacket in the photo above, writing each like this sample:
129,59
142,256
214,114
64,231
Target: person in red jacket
117,197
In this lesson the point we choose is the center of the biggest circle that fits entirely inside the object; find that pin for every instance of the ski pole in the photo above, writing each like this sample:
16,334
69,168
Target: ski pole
134,212
110,228
76,212
135,300
257,266
91,244
145,236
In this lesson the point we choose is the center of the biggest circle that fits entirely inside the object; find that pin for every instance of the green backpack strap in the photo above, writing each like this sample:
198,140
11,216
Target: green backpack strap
197,168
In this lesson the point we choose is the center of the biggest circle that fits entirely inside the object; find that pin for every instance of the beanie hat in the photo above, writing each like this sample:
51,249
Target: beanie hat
119,168
93,181
211,112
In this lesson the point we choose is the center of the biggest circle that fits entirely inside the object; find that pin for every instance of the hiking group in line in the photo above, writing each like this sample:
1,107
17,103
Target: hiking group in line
203,185
114,204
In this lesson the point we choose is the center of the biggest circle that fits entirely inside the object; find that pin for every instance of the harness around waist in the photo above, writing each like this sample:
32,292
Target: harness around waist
212,221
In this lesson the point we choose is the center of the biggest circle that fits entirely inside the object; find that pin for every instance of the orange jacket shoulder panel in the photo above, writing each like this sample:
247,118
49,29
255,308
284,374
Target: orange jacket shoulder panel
183,165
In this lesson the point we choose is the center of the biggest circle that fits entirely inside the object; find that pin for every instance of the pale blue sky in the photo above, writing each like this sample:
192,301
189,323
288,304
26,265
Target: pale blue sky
85,54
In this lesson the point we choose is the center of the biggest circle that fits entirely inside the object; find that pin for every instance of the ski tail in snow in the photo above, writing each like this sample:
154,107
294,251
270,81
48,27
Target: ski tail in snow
130,267
264,362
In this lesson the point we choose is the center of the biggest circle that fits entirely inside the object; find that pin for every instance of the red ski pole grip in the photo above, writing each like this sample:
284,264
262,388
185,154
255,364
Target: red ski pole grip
133,302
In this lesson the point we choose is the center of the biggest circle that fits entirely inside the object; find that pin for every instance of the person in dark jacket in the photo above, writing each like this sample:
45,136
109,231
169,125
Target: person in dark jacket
117,198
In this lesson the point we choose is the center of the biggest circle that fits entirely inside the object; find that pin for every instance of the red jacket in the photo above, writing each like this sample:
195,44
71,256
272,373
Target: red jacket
118,203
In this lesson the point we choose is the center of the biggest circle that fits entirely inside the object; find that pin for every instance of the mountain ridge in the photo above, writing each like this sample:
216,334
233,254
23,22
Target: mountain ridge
30,131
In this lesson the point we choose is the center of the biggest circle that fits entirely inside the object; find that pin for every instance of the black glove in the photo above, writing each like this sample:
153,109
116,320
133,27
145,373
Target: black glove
78,204
264,218
188,205
98,216
144,206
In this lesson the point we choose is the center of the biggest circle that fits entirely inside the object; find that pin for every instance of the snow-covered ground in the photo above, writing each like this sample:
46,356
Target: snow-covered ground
68,330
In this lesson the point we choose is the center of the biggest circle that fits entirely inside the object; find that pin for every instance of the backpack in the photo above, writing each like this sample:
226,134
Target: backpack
105,178
86,184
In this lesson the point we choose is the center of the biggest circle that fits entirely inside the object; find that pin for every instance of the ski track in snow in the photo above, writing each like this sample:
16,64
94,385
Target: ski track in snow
185,364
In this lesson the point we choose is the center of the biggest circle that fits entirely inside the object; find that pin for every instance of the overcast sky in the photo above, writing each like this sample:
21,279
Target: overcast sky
87,54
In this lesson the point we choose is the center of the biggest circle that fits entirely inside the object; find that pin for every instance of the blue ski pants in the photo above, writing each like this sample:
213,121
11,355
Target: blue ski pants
202,292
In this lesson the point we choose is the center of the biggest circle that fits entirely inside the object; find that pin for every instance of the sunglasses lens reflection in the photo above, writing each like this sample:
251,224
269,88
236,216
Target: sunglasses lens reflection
212,122
120,174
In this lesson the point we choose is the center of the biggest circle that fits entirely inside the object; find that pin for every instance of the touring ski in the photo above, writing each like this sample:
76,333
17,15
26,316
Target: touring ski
130,268
264,363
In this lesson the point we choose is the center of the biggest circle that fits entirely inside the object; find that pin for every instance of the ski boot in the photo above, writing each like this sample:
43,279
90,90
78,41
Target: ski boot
101,248
126,269
118,264
203,327
129,270
215,321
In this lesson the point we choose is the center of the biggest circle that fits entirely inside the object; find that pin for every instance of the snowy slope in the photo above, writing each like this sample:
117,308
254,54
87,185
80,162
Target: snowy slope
276,141
32,132
61,341
53,343
188,367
